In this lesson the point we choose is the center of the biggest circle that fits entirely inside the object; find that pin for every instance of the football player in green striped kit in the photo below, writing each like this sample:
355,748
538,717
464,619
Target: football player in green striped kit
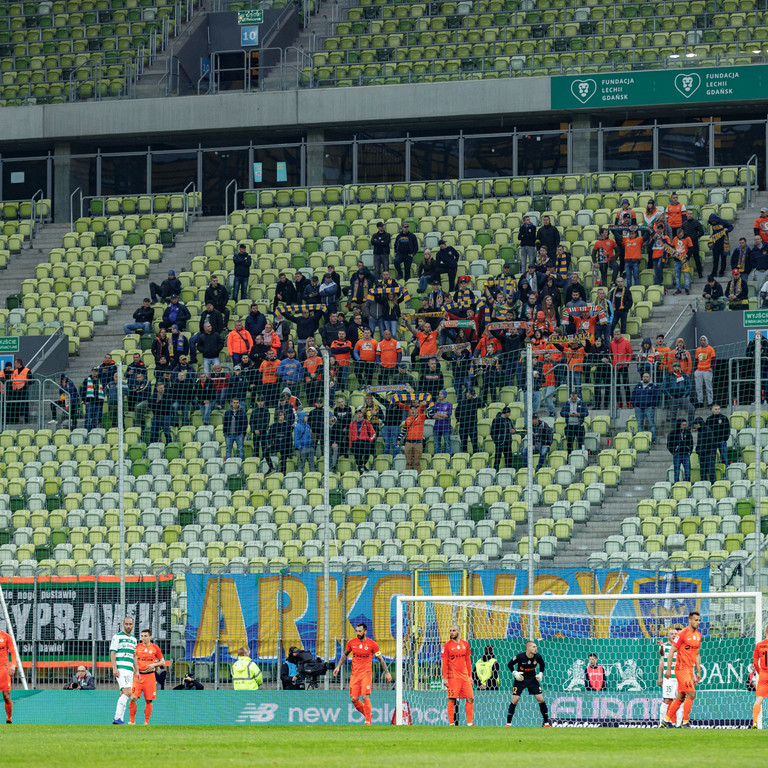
122,654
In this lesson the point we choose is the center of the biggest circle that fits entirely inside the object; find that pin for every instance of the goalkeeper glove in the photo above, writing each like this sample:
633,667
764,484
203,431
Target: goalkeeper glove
540,676
518,675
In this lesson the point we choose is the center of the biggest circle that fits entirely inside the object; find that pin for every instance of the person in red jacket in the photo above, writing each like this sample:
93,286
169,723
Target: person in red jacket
362,436
621,357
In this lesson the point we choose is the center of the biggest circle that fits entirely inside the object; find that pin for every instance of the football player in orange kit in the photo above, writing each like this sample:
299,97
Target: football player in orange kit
7,670
760,664
686,645
457,674
362,649
149,657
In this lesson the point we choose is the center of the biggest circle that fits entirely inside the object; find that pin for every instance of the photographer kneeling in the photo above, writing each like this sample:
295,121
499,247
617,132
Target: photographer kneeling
289,672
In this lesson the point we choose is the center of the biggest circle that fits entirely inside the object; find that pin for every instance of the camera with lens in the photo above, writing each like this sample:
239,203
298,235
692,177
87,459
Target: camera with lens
311,668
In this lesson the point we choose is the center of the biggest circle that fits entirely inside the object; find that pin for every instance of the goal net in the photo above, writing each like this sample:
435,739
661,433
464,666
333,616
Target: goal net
601,655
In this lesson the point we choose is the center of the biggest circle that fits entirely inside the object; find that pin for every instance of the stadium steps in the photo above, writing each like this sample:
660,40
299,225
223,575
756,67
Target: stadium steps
151,85
22,266
619,502
179,258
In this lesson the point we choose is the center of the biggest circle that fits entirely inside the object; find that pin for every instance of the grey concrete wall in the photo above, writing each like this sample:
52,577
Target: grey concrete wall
369,106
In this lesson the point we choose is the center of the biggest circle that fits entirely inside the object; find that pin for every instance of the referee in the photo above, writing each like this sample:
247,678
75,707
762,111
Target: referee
523,668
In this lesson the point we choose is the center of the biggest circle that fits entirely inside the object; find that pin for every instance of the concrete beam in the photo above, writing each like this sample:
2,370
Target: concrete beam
401,105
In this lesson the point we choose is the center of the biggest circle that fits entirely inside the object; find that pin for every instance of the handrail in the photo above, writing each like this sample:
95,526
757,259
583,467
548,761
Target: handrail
35,218
58,332
748,201
226,199
677,319
186,192
71,208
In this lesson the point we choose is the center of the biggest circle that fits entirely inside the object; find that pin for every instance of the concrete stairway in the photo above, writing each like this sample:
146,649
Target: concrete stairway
110,336
618,503
22,265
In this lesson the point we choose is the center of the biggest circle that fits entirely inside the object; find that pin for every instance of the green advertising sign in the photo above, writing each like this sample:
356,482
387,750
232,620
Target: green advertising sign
250,17
9,344
631,89
269,707
756,318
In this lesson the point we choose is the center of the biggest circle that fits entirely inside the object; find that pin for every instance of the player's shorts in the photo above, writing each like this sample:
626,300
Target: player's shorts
668,688
685,682
532,686
360,684
5,679
145,684
459,689
125,679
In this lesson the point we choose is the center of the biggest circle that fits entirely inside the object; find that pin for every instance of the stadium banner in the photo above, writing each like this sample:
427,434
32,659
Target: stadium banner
272,612
266,707
629,665
673,86
74,617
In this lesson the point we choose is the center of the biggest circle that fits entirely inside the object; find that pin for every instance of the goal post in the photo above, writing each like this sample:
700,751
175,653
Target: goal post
623,632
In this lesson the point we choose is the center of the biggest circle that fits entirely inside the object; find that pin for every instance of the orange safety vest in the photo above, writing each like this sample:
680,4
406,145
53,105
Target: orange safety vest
19,378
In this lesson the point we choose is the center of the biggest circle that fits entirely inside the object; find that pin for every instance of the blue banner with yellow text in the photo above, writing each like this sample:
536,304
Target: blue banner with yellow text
269,613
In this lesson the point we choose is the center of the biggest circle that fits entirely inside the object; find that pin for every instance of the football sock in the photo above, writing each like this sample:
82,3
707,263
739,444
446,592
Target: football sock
672,710
451,712
755,712
470,708
687,710
544,711
367,710
132,711
9,710
680,717
662,711
147,711
511,712
358,705
121,704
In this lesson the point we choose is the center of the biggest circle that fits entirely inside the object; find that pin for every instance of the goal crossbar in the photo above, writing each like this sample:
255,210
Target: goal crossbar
400,601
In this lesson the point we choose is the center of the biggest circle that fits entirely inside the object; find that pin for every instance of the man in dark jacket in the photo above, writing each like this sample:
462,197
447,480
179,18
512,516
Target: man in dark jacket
501,434
621,298
285,291
175,313
307,324
693,229
280,439
721,431
241,272
713,293
235,425
255,321
182,392
142,319
406,247
680,445
466,416
706,449
330,329
381,242
574,412
645,398
211,316
527,237
548,235
758,260
542,440
166,289
447,263
737,292
259,427
218,296
161,406
209,344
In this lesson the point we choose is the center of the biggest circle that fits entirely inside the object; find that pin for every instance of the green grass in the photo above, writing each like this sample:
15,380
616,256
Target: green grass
385,746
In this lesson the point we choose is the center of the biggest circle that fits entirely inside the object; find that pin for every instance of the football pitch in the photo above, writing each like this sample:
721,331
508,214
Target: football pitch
386,746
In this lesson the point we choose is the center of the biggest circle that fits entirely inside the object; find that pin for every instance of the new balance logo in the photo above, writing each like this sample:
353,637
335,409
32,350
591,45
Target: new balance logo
257,713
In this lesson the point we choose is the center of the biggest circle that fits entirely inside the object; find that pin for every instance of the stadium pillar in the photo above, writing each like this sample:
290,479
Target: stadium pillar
583,139
315,158
63,182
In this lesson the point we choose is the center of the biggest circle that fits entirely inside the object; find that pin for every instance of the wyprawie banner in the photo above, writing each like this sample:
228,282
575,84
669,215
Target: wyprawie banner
65,615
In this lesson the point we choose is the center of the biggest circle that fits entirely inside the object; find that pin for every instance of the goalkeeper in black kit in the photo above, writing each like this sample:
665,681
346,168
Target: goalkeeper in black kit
523,668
